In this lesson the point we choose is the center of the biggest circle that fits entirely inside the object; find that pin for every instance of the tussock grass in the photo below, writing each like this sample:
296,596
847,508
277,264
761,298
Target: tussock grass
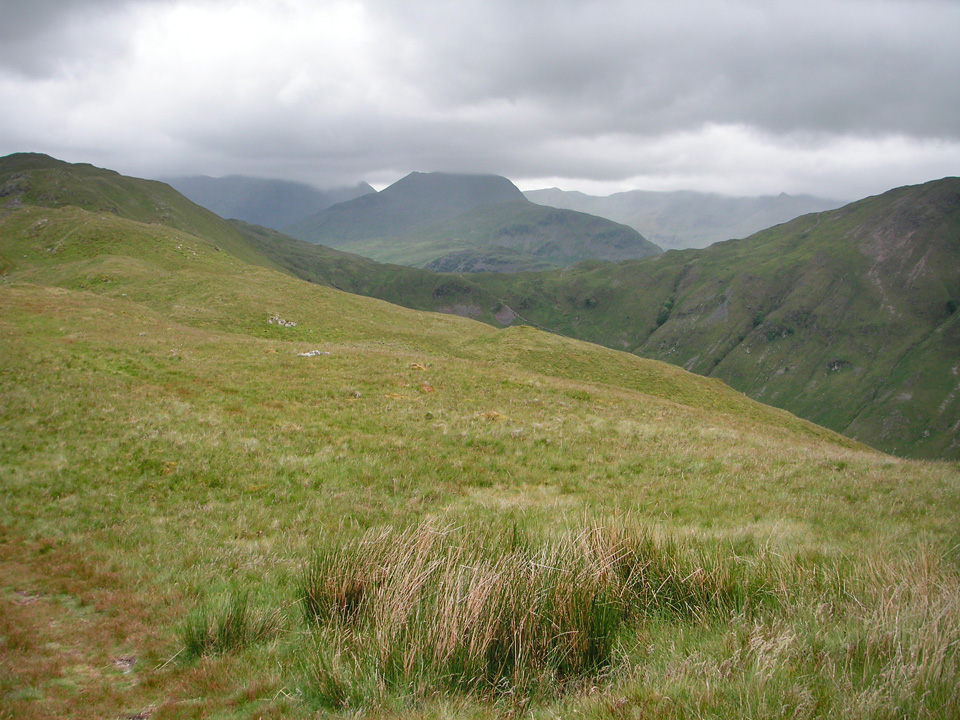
231,623
497,614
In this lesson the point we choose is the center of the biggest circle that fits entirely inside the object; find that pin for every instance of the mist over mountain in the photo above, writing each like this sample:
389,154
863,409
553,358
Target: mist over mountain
467,223
271,203
415,201
687,219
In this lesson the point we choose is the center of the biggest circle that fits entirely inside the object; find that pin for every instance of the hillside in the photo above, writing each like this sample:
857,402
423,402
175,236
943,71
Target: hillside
232,493
271,203
37,179
845,317
686,219
466,223
411,287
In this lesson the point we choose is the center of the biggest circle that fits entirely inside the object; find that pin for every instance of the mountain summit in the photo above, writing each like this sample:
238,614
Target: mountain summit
467,222
413,202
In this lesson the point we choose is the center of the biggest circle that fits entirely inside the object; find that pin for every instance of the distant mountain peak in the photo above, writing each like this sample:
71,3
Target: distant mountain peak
468,220
456,191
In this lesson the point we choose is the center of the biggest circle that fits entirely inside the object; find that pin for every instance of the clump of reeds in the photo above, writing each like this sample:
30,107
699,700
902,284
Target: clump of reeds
430,608
230,623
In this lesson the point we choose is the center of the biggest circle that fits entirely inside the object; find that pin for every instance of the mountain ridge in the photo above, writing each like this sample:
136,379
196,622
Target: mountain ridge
845,316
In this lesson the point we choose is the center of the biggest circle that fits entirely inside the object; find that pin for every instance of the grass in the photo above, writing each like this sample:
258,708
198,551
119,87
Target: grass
230,624
496,614
176,475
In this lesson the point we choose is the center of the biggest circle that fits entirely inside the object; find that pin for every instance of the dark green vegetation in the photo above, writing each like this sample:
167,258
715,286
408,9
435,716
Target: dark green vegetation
271,203
842,317
231,493
685,219
467,223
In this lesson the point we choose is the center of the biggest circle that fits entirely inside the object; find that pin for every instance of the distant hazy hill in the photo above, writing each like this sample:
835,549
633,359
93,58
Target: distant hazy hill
467,222
271,203
846,317
685,219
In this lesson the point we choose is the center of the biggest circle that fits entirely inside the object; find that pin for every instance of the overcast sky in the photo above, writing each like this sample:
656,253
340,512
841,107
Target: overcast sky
838,98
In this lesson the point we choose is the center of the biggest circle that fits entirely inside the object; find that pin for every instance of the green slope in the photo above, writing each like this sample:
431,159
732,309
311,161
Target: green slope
39,180
176,463
844,317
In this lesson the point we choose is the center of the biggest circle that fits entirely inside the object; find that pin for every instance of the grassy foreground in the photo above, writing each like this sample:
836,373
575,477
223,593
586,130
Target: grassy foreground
424,517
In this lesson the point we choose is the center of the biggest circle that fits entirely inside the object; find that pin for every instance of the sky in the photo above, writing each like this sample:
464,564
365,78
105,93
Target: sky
836,98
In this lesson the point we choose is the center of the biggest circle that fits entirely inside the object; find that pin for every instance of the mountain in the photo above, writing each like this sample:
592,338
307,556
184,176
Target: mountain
686,219
229,492
464,223
271,203
845,317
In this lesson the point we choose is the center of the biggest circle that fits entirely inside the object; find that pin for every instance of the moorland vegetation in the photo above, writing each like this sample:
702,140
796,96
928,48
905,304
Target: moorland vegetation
376,511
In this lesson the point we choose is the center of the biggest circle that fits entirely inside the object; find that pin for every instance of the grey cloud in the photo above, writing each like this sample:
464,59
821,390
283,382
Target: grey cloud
544,88
840,66
40,38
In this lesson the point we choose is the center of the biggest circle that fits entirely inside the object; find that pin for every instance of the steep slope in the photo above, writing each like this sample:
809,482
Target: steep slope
271,203
686,219
463,223
844,317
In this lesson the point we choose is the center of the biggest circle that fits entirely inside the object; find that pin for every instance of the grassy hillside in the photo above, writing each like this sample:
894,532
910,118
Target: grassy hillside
467,223
847,317
39,180
228,492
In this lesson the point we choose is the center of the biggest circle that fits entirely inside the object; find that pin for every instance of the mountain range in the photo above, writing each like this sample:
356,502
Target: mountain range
687,219
846,317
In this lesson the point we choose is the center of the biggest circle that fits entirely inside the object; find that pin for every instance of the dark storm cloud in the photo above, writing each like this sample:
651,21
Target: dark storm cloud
835,66
733,95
